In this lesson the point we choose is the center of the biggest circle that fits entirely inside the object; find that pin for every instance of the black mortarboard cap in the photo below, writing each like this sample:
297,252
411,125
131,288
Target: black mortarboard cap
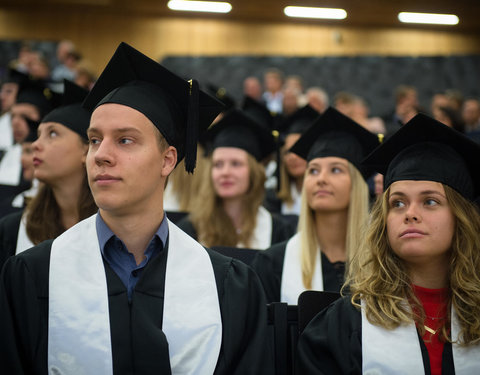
334,134
179,109
236,129
15,76
299,121
259,112
222,95
427,150
36,92
32,130
71,113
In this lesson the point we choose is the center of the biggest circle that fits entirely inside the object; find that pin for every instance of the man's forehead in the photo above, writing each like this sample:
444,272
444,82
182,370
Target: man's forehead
118,118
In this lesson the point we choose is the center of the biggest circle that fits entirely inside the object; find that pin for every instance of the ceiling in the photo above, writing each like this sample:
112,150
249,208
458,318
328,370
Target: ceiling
364,13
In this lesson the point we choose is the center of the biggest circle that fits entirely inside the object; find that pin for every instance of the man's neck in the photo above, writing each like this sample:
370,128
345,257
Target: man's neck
135,230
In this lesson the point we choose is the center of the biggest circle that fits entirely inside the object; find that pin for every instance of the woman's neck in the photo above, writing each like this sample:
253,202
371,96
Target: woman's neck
234,210
432,275
67,195
331,229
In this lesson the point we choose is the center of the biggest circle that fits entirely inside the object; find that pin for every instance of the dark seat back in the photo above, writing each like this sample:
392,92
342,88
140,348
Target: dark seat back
310,303
242,254
283,331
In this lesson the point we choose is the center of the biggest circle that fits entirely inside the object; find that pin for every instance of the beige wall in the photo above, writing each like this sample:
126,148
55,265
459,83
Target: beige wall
97,35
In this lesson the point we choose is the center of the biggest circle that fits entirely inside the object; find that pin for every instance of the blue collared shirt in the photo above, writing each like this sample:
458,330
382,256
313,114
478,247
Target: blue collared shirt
121,260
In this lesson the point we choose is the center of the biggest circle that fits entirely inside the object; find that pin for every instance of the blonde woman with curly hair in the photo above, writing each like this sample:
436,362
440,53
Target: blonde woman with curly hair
334,211
415,288
228,211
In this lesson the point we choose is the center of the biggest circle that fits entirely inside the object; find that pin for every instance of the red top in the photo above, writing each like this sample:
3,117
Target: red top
434,303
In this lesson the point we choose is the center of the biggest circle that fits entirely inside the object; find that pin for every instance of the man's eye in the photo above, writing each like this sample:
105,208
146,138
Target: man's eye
126,141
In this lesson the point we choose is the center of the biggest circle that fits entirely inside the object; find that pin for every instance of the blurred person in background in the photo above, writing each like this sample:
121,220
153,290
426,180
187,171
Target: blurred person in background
229,209
252,88
273,95
406,106
450,117
471,114
317,98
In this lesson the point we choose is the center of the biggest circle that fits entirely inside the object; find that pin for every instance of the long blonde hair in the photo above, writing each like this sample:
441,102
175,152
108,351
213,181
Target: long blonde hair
379,277
186,185
357,219
212,224
285,191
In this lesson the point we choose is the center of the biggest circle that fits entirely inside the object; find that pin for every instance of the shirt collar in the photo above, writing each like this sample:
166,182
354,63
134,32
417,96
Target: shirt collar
104,233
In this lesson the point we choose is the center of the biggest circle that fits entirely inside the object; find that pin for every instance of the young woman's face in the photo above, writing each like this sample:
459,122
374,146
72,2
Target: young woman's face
420,222
327,184
295,164
58,153
19,123
230,172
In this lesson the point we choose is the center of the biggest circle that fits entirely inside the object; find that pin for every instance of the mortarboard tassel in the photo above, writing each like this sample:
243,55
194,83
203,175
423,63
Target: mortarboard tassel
191,133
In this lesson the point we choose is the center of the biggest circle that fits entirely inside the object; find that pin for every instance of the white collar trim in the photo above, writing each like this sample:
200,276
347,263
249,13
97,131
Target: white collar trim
79,327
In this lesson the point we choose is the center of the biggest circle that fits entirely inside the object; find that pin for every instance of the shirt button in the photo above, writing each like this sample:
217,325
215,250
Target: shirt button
134,273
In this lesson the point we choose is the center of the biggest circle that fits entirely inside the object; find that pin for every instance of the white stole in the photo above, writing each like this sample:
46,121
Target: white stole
292,282
79,326
262,235
11,166
23,241
398,351
6,134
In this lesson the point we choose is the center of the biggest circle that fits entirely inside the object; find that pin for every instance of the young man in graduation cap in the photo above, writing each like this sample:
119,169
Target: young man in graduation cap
126,291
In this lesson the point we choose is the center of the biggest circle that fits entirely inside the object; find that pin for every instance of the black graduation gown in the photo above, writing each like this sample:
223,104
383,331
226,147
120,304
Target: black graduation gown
8,235
138,343
271,202
8,194
281,229
268,265
332,343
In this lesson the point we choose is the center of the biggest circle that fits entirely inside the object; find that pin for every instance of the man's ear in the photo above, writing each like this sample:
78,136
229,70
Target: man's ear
169,160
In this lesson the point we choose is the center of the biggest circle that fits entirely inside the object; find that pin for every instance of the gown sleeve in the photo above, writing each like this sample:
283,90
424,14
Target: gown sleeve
282,229
331,342
23,313
8,235
268,264
245,348
271,201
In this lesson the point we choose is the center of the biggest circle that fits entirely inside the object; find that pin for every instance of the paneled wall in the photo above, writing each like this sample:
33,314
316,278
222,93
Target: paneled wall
96,34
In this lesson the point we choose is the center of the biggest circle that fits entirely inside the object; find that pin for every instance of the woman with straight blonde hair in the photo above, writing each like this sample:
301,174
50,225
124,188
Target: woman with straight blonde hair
414,283
228,211
334,210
